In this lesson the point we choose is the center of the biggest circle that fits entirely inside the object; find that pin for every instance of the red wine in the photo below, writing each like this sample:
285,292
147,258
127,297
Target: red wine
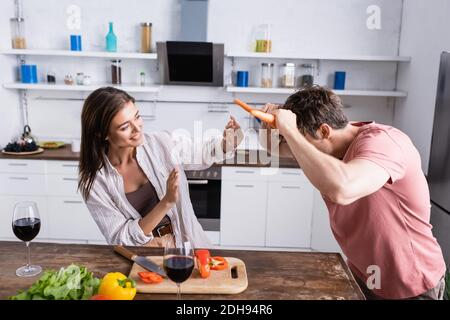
26,228
179,268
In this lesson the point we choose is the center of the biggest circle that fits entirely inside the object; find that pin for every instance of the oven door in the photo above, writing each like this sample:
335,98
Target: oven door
205,198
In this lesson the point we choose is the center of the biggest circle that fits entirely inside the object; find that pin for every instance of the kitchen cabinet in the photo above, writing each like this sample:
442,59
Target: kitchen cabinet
265,207
243,213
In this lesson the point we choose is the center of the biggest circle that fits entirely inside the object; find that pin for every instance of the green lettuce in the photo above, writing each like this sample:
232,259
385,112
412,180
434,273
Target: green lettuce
71,283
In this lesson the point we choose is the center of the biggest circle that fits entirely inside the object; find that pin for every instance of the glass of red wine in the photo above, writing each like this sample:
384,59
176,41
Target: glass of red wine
178,262
26,224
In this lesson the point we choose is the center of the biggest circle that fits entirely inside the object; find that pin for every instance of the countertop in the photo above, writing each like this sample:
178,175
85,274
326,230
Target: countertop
271,275
244,158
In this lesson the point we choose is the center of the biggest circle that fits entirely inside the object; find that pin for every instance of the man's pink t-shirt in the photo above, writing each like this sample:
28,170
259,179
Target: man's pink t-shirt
390,228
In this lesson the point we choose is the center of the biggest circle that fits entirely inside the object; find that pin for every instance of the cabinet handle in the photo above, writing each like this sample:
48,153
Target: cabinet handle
290,187
218,111
291,173
244,171
18,164
18,178
70,165
244,186
73,202
70,179
197,181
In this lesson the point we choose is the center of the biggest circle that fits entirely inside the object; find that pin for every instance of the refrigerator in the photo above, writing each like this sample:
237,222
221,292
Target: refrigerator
439,165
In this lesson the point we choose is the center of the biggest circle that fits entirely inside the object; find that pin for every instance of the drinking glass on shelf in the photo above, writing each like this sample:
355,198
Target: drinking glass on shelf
26,224
178,262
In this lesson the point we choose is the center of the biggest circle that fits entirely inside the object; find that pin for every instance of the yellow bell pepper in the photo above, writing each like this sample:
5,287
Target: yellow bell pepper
117,286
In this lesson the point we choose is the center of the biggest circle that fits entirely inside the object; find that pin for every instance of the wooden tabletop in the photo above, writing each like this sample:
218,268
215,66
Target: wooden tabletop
271,275
243,158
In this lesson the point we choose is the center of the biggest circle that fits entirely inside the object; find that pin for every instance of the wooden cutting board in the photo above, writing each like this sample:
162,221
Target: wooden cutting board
232,280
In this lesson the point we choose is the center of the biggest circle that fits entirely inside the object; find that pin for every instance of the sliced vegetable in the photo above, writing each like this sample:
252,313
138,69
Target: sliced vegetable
150,277
203,256
117,286
218,263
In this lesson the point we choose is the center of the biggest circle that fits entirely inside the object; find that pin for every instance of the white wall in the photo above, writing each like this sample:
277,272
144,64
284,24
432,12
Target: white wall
300,26
425,34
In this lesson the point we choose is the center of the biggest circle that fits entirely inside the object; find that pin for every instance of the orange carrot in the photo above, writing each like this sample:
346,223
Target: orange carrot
263,116
243,105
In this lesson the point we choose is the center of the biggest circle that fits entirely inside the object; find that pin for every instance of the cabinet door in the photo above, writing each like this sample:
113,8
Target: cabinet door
6,214
70,219
322,238
289,214
243,213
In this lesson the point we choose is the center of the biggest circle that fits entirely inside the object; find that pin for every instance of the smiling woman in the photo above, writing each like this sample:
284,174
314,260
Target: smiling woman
133,183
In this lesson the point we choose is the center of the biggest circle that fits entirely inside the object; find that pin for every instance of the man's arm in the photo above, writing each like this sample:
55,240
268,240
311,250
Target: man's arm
342,183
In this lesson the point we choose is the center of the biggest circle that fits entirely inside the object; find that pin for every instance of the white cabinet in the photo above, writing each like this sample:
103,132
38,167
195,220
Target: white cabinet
289,214
264,207
53,186
322,237
70,219
243,213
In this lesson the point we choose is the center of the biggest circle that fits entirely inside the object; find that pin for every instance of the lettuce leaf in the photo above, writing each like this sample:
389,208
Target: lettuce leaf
71,283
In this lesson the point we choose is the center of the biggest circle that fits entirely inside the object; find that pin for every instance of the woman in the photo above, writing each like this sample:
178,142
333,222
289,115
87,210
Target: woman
134,184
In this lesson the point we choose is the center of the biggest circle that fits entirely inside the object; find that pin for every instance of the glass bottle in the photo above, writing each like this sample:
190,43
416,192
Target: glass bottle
146,37
116,71
267,75
142,78
263,38
18,33
307,78
111,39
288,75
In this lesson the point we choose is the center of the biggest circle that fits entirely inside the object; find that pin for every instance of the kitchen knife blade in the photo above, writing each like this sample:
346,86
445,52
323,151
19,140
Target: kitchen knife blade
140,260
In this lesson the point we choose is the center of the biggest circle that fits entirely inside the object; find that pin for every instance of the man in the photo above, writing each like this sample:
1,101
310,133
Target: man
378,199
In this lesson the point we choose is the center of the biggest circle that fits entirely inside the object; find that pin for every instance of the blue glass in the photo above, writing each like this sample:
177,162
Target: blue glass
28,73
75,42
339,80
242,79
111,39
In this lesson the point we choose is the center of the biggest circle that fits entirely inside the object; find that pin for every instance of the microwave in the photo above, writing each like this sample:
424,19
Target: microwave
191,63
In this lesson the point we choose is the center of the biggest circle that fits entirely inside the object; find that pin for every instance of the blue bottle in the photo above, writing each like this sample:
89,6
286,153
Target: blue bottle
111,39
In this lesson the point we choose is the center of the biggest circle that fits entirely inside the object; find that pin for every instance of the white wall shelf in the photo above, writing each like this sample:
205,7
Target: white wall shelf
65,87
262,55
87,54
360,93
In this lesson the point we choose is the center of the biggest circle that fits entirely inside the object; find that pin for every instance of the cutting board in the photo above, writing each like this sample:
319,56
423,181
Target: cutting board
232,280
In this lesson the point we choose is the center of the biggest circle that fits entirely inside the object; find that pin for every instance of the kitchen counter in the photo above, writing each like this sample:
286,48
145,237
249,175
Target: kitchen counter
243,158
271,275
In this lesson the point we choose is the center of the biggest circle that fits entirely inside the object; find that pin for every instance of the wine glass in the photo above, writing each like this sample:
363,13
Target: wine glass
178,262
26,225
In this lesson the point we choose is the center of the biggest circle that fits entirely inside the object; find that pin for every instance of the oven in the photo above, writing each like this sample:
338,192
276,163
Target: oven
205,191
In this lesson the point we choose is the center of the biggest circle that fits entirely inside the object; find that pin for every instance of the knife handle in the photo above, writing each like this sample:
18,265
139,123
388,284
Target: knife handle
124,252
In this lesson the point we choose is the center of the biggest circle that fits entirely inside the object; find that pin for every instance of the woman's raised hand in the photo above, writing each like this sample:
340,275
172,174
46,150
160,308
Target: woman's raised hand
173,182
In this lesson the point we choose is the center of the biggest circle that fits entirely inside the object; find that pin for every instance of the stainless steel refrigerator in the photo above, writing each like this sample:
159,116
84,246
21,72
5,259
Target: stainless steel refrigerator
439,167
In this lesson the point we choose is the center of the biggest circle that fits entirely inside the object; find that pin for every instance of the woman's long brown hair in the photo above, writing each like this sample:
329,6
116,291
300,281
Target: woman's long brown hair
99,109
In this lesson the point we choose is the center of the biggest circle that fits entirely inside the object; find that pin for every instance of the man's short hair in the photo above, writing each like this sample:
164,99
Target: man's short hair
314,106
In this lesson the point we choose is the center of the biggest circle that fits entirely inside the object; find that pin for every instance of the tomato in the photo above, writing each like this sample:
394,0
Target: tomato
100,297
150,277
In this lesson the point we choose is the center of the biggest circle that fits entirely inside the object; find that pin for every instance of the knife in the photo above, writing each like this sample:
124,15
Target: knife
140,260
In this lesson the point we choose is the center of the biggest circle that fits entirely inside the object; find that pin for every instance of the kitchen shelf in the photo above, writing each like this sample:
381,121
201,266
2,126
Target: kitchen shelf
263,55
361,93
87,54
65,87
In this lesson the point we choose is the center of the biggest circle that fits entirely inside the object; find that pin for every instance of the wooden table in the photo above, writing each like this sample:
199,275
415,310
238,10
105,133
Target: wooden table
271,275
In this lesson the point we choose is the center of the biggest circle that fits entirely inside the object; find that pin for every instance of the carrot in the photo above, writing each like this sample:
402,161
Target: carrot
263,116
243,105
